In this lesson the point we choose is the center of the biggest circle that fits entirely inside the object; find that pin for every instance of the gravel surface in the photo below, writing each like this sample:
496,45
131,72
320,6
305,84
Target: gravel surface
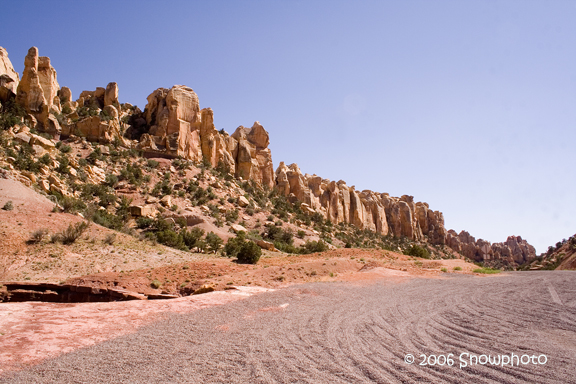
348,333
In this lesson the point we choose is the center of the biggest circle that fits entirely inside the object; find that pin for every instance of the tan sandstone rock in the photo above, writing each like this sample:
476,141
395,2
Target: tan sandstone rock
9,78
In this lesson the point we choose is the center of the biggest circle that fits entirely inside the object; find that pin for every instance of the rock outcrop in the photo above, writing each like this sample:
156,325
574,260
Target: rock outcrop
9,78
174,125
178,127
37,93
514,251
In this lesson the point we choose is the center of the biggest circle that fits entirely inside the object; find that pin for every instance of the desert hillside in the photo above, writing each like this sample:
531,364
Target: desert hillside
91,187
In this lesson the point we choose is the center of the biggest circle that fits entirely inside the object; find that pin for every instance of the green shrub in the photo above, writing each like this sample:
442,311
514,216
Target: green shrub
155,284
65,149
458,268
171,239
11,114
191,238
111,180
314,246
71,204
443,270
486,270
152,163
213,242
418,251
249,253
232,215
72,233
63,165
232,247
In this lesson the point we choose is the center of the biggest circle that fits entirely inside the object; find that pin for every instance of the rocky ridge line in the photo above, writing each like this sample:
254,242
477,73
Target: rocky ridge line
173,125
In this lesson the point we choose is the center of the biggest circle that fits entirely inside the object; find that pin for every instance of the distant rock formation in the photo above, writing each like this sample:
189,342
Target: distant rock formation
399,217
514,250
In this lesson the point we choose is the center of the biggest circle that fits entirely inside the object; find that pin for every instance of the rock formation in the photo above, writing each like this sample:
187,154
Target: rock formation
399,217
514,250
9,78
173,125
178,127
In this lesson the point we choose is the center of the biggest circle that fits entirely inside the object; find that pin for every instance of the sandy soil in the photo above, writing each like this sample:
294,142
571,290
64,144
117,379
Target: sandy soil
33,331
347,333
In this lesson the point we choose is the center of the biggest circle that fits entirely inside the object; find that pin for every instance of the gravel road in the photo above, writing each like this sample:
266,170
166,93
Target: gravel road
349,333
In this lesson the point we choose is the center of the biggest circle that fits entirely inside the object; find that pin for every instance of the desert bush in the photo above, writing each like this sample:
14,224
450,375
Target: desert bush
37,236
314,246
300,234
232,247
192,237
8,206
63,165
232,215
110,238
71,204
65,149
458,268
213,242
249,253
171,238
11,113
418,251
94,156
72,233
111,180
152,163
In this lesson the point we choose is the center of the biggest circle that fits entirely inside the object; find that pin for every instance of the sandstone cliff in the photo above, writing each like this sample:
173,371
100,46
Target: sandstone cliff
514,250
178,127
378,212
9,78
173,125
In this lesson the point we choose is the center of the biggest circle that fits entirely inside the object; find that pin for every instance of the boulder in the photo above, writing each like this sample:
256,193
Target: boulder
142,210
205,288
44,143
243,202
266,245
166,201
237,228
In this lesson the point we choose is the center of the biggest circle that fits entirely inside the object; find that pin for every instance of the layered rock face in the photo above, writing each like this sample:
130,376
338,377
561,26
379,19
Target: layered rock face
514,250
379,212
174,125
38,87
178,127
37,92
9,78
394,216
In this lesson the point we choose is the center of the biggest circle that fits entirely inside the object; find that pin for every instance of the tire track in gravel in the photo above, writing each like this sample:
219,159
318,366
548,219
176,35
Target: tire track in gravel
344,333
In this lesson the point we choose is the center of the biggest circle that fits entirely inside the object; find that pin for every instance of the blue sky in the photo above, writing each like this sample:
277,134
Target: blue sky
467,105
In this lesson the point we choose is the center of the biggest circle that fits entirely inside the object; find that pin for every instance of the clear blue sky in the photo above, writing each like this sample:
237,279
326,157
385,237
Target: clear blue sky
467,105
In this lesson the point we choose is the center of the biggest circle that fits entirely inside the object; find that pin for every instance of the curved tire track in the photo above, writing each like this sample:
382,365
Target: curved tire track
343,333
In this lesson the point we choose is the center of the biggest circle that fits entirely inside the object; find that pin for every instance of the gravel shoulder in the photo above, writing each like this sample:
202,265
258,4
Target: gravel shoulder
336,332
